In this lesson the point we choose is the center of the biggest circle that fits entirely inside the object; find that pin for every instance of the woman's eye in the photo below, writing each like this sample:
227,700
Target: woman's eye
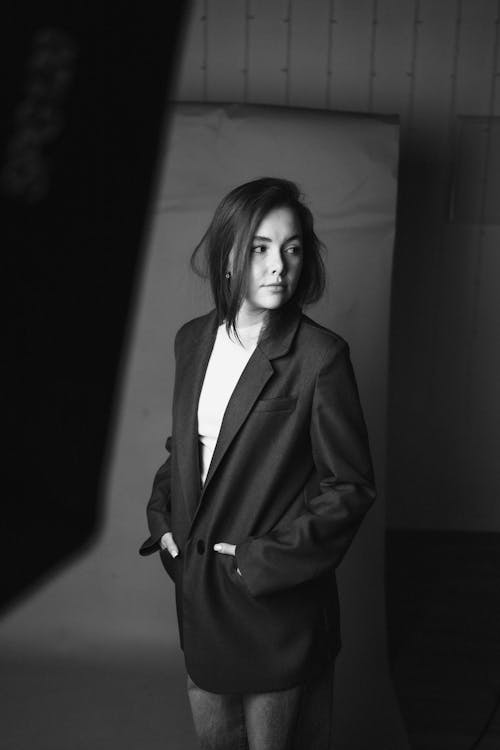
293,249
258,249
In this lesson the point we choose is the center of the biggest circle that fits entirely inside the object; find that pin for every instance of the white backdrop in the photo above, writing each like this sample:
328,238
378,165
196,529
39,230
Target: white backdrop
111,601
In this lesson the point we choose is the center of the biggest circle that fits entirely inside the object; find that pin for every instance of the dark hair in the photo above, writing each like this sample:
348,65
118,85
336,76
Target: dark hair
234,224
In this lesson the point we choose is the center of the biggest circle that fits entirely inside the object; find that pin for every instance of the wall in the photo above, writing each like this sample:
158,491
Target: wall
436,64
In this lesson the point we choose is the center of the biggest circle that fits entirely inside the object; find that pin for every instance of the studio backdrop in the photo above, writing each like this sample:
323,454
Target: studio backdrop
113,602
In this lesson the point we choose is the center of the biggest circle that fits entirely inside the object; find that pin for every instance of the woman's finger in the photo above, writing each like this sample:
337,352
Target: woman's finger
225,548
167,542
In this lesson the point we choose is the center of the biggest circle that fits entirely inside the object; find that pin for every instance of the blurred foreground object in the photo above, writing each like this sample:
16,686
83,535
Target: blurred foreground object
84,104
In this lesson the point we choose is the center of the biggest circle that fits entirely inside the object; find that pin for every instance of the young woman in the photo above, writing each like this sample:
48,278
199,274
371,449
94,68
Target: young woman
268,478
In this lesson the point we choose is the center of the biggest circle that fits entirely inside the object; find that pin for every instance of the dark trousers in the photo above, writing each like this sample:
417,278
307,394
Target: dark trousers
299,718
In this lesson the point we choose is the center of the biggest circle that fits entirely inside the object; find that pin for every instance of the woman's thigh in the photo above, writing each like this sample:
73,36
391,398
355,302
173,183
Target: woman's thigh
249,721
271,718
218,719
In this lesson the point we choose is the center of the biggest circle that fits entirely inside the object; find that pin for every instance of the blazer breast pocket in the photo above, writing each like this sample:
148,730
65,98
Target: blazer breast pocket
282,404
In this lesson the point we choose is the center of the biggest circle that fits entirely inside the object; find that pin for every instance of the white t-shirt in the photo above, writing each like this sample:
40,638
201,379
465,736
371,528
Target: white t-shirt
226,364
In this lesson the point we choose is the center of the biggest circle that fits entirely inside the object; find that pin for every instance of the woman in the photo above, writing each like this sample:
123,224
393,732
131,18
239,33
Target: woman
268,479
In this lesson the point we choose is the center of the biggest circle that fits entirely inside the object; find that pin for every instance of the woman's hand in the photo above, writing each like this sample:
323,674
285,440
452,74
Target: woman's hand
167,542
226,549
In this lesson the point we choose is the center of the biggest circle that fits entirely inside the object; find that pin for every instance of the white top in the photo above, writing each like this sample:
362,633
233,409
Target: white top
225,366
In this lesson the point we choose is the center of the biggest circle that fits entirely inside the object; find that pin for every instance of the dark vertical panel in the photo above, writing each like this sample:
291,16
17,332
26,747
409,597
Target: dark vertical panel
478,343
444,337
483,415
84,104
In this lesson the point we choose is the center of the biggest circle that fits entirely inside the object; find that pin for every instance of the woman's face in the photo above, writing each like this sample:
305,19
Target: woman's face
275,262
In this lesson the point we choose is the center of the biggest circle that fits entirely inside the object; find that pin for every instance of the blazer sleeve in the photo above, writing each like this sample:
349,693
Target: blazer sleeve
317,540
158,508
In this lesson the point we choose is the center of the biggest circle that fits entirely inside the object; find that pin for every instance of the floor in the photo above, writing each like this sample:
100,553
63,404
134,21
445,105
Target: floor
444,636
101,703
443,592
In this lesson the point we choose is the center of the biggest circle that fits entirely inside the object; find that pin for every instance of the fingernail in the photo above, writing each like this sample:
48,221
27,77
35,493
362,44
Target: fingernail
218,547
174,554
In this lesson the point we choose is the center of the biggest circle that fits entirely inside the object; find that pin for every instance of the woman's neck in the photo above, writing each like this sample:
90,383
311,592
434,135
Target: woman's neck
248,317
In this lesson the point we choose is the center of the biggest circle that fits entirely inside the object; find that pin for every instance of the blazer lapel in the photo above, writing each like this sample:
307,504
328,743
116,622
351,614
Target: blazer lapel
190,378
252,381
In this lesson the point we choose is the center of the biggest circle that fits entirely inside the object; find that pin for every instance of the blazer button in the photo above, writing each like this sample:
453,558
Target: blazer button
200,546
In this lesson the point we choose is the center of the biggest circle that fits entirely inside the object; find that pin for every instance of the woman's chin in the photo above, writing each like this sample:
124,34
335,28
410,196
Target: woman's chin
273,301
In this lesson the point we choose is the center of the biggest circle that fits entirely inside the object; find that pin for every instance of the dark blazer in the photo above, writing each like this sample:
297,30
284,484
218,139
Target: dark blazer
289,483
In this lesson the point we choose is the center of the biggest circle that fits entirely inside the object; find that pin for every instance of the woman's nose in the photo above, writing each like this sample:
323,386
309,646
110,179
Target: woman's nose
276,262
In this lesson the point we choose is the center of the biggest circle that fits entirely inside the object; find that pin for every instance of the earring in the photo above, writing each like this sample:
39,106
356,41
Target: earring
228,274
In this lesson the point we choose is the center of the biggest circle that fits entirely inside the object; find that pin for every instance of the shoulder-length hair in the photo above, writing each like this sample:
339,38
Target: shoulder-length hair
234,225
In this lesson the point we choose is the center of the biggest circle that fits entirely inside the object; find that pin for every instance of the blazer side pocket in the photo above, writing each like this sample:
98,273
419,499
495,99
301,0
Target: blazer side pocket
283,404
229,564
168,562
